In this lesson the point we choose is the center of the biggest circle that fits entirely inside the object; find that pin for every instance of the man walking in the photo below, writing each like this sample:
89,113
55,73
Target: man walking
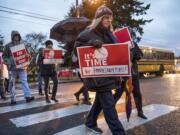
48,71
14,71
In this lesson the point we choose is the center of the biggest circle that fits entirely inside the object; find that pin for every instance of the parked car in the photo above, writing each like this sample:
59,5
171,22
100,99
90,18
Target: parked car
65,73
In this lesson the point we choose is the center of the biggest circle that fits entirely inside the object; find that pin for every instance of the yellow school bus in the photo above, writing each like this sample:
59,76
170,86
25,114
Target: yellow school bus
156,60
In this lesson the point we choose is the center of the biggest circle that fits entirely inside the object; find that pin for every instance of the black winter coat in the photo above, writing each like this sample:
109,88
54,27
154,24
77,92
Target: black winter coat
97,83
46,69
136,55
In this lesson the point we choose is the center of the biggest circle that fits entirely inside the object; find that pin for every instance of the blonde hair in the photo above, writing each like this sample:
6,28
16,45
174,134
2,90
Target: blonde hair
96,22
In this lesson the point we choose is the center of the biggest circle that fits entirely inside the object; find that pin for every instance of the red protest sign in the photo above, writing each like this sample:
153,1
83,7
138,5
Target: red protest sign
123,36
20,56
109,60
52,56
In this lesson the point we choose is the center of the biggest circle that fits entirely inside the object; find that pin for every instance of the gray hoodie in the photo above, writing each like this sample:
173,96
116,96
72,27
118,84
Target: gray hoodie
7,54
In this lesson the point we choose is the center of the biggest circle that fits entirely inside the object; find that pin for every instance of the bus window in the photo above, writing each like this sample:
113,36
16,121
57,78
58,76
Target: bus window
154,55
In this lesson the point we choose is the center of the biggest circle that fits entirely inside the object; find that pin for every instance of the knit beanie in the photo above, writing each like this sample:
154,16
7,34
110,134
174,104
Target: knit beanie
48,42
103,10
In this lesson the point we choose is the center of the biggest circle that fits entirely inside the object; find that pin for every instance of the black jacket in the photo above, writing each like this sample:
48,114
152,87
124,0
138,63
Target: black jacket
45,69
136,55
84,39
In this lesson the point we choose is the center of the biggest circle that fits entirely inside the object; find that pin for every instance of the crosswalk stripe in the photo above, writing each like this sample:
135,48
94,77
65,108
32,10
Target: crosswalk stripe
31,119
20,93
33,92
152,111
48,115
32,104
35,103
21,97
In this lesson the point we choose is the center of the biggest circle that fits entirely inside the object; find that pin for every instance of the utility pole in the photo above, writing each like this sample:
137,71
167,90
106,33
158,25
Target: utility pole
77,9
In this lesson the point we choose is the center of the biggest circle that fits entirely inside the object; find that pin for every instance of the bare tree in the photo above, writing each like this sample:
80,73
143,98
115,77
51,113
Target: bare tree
1,39
35,39
1,42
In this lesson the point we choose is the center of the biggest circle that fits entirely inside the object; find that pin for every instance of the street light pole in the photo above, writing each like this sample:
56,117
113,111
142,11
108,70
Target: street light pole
77,9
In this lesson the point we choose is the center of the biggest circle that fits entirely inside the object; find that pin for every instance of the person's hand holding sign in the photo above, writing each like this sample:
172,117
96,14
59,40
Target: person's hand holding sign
96,43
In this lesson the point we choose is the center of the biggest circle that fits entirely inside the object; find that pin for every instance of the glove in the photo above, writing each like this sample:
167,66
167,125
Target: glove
96,43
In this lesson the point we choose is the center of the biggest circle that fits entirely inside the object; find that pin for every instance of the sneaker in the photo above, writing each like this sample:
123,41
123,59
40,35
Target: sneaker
50,92
54,99
29,99
3,97
41,94
77,96
13,102
48,101
141,115
95,130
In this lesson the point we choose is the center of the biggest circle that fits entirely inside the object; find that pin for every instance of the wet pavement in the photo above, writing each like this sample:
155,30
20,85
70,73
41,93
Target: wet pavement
165,90
155,90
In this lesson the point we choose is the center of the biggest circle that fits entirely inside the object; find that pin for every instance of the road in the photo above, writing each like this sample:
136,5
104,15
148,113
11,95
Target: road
161,101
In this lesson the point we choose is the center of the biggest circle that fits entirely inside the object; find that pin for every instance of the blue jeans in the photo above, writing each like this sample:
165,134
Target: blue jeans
24,84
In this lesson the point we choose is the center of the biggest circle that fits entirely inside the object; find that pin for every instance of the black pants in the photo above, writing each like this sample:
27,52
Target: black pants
105,101
46,85
83,90
136,94
6,84
2,89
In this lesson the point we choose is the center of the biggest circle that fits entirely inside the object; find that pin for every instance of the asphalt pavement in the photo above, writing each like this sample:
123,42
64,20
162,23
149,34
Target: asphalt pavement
161,101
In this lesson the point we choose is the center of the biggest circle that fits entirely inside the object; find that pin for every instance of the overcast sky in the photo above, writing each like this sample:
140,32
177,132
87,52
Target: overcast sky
163,32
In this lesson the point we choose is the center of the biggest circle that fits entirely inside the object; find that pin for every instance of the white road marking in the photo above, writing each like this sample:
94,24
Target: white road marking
20,97
32,104
49,115
31,119
151,111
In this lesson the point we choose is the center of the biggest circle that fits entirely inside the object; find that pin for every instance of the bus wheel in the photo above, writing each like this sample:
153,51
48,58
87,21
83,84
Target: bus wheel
161,71
141,75
146,75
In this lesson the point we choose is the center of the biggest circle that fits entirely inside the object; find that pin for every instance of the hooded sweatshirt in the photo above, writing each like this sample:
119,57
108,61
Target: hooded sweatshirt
7,54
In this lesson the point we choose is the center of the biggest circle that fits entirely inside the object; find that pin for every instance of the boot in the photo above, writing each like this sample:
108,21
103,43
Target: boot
29,99
3,97
141,115
47,100
77,96
54,99
13,102
41,93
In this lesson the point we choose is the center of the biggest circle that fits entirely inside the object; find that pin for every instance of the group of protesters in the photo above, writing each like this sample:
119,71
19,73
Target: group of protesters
98,33
9,69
